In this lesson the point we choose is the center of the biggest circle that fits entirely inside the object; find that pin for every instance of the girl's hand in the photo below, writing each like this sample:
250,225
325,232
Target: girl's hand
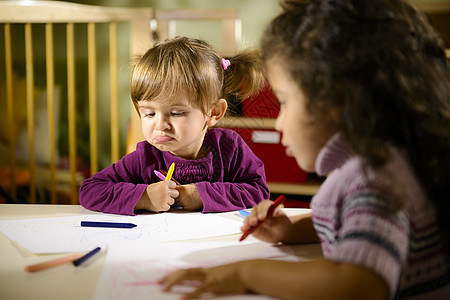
272,230
189,199
158,196
221,279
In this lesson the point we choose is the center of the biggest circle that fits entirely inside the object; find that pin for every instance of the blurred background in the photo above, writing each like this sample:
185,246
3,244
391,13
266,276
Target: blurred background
254,120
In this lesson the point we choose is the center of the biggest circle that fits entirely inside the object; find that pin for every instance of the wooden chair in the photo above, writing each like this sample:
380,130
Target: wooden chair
39,21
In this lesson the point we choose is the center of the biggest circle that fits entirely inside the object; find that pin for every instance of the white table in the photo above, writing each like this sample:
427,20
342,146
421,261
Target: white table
65,281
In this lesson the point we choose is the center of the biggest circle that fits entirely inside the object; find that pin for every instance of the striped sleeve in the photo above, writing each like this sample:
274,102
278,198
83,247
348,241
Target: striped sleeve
370,237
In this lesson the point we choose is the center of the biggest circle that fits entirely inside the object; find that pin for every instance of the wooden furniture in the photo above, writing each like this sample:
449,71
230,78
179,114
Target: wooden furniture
41,23
66,281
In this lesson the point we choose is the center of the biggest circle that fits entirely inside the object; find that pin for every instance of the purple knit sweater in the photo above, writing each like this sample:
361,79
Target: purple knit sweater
230,177
381,220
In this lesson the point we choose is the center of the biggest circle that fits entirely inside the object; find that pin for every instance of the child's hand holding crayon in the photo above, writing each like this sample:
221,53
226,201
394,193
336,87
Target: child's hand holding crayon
189,199
158,196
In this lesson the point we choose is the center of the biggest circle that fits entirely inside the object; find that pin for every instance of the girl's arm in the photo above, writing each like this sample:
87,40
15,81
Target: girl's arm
243,180
319,279
302,231
229,196
112,190
118,188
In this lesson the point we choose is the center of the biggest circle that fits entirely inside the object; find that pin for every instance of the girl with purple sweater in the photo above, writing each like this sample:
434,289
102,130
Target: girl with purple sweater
179,89
364,91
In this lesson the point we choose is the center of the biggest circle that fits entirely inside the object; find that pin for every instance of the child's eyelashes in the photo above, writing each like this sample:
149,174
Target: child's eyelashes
149,115
178,113
172,114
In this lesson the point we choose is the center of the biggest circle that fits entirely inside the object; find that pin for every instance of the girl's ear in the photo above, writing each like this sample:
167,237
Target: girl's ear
217,112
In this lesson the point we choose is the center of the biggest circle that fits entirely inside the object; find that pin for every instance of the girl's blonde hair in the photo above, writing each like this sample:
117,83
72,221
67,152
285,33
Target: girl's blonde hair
192,67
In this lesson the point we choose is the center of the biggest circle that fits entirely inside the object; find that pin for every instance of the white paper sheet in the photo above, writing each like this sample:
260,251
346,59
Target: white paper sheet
131,271
64,234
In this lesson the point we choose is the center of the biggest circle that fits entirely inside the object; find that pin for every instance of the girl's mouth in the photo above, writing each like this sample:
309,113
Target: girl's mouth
163,139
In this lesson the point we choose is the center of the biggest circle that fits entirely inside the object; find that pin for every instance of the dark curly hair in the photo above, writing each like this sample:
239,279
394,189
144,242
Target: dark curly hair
384,67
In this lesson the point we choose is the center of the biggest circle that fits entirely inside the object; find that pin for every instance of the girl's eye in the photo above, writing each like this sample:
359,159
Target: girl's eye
177,113
148,115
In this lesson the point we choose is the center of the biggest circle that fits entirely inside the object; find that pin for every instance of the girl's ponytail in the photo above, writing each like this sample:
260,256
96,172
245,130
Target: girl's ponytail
243,77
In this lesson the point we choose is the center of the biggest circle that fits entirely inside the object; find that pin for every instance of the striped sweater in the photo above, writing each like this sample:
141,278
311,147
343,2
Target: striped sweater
381,220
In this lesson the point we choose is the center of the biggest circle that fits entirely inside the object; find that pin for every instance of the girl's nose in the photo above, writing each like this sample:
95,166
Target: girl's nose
162,123
279,123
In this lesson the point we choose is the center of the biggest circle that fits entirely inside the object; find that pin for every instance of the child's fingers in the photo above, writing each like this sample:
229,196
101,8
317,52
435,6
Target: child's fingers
198,292
261,213
258,213
173,193
170,184
178,277
278,210
165,207
171,201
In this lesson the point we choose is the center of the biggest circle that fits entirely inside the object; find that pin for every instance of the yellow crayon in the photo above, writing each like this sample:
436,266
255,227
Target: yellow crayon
170,171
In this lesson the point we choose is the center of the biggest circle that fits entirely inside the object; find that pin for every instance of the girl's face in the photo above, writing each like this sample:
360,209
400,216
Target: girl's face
177,127
299,136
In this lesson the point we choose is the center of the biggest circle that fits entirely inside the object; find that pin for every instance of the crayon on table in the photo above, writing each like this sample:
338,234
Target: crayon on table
107,224
82,259
53,263
244,213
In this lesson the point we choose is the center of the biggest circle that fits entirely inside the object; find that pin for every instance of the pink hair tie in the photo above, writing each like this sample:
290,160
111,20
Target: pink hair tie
225,63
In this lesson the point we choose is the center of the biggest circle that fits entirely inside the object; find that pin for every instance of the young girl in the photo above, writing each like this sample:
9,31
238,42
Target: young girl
179,89
364,93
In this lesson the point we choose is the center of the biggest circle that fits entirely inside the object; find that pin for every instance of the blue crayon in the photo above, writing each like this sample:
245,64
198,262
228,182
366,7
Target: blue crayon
107,224
82,259
244,213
